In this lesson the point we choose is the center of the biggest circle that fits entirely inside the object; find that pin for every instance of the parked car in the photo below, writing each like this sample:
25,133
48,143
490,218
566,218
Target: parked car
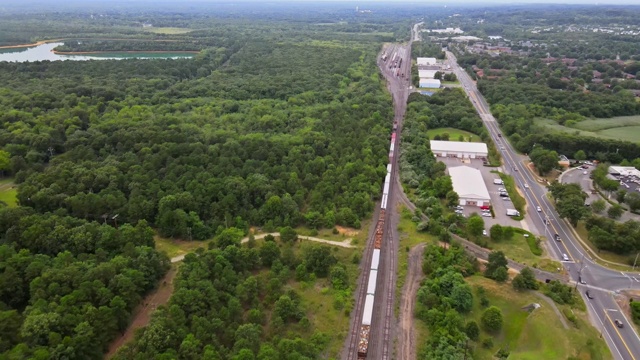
484,232
486,214
503,194
502,189
584,173
485,207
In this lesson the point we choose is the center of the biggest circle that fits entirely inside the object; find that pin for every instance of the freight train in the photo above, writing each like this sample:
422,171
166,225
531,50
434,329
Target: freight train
367,314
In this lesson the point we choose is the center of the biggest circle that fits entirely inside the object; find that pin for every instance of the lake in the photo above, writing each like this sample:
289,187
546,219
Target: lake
43,52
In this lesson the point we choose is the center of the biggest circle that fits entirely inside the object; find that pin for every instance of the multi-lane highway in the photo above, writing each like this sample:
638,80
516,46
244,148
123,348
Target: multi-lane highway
602,283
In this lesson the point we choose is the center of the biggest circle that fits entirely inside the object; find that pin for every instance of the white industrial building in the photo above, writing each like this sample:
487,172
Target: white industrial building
425,61
459,149
469,185
427,74
624,171
430,83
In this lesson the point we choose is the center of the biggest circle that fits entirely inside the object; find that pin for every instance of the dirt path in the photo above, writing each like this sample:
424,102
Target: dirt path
407,346
142,314
345,243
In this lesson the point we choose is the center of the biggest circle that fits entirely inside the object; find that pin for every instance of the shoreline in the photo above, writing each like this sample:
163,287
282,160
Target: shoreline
123,51
42,42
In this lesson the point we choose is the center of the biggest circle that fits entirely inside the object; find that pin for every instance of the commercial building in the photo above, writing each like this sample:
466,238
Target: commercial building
459,149
425,61
624,171
430,83
469,185
427,74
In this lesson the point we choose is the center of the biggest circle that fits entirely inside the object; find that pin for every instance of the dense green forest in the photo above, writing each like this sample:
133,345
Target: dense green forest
271,124
240,303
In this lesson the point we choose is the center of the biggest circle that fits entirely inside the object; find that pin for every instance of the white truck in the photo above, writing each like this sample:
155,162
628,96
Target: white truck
513,212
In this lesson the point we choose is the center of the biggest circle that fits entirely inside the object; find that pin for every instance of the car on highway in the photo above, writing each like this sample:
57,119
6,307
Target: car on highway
526,186
565,257
501,147
588,295
618,323
539,209
584,173
556,237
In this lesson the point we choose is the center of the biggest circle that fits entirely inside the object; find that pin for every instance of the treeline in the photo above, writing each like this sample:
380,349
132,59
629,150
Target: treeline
268,140
443,299
131,45
68,286
236,303
426,49
517,121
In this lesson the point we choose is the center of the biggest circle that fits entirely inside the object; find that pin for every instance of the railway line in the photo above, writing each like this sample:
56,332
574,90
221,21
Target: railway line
373,321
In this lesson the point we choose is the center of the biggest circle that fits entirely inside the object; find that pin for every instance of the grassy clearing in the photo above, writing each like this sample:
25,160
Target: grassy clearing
358,235
454,134
622,128
319,302
516,249
408,238
518,201
8,192
539,335
168,30
173,247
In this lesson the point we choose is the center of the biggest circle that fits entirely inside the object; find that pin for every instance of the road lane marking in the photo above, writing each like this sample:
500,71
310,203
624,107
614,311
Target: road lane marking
620,335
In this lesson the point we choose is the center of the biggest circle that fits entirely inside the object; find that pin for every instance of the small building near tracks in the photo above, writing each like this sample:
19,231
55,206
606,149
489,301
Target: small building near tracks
469,185
459,149
430,83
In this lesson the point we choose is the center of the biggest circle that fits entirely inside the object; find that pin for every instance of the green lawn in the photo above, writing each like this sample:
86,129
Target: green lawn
621,127
8,192
539,335
516,249
454,134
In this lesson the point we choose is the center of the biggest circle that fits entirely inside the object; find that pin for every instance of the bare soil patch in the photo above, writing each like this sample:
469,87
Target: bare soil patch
142,314
347,231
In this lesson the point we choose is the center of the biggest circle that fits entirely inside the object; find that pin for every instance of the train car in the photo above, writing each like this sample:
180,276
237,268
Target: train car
389,167
365,328
375,259
399,62
373,278
377,237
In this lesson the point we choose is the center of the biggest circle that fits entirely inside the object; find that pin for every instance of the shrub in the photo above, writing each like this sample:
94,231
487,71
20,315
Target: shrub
492,319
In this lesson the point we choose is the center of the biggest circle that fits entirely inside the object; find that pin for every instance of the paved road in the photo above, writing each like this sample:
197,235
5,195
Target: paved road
624,343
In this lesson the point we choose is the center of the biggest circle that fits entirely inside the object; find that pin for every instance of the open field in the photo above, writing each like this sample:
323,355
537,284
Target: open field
454,134
168,30
516,249
8,192
539,335
621,127
173,247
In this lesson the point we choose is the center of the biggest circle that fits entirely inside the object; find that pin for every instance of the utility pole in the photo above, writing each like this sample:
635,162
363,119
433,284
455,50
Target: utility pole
580,271
189,233
115,219
635,261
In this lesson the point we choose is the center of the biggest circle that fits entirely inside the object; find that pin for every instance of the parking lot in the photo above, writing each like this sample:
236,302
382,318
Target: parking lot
500,205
